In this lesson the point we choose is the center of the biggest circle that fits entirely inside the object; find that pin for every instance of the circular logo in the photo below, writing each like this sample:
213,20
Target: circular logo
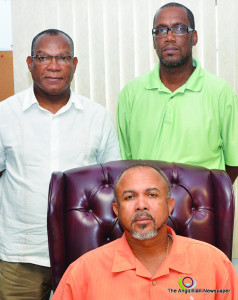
187,283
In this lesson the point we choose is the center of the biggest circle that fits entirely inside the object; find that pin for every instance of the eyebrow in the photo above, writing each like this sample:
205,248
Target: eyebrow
44,52
147,190
128,191
153,189
175,24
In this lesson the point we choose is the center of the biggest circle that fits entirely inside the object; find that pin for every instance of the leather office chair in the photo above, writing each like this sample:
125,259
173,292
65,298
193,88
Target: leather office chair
80,216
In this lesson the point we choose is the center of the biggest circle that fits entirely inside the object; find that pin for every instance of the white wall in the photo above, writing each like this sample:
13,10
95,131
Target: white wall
5,25
113,42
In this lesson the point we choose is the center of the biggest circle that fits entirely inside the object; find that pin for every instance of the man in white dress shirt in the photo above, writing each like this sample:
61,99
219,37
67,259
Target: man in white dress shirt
43,129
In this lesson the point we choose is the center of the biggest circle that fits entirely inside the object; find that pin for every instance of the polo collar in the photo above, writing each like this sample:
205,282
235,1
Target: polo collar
178,260
194,83
124,259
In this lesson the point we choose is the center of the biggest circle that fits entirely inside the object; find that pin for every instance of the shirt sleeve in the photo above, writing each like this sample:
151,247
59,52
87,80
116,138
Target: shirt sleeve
109,146
229,282
123,124
67,289
229,125
3,156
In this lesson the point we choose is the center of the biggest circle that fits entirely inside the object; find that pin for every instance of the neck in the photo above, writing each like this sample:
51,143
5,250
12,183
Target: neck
52,103
151,253
175,77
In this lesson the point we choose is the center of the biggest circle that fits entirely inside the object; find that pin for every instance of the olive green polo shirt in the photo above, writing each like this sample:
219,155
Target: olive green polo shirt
196,124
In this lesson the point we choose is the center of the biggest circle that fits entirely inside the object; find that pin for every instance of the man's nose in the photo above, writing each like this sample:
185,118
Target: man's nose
53,64
170,36
142,203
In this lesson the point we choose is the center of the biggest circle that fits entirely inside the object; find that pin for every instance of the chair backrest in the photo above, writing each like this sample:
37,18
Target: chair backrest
80,215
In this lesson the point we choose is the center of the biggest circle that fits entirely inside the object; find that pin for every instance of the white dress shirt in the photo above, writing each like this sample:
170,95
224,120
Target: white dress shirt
34,143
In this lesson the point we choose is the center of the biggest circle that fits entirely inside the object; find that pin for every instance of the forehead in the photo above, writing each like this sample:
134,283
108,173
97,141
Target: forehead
141,178
171,15
52,43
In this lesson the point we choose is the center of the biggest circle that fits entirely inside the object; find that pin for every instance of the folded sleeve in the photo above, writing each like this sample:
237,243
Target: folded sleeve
123,124
229,125
109,146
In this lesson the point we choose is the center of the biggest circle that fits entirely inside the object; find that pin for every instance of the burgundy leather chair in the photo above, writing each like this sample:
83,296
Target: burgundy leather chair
80,216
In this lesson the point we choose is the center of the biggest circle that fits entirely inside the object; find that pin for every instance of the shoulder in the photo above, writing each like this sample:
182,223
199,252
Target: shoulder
138,83
14,103
89,106
107,249
96,256
202,250
216,84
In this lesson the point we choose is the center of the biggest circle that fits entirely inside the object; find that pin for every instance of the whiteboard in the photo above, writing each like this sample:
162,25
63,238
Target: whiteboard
5,25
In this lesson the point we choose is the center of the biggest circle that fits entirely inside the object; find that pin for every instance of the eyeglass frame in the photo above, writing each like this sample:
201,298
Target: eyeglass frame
189,29
51,57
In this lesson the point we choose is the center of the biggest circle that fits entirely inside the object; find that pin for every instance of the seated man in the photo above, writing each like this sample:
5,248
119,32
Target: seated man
150,261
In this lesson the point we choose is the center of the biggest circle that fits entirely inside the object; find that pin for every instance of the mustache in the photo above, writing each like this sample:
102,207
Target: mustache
142,214
170,45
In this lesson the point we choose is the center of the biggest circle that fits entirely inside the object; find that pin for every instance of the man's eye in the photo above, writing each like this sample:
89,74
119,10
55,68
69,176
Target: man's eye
128,197
42,58
62,58
179,28
162,29
152,195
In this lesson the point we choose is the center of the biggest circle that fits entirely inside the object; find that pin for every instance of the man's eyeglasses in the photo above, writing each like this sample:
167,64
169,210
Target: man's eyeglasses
176,30
47,59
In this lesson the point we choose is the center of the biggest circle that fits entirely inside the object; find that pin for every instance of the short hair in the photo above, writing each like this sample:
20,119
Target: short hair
175,4
136,165
52,32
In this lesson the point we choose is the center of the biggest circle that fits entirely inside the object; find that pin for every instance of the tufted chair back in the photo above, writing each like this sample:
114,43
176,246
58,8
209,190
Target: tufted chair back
80,216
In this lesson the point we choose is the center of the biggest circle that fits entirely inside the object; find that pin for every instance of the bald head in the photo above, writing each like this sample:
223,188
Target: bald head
175,4
140,168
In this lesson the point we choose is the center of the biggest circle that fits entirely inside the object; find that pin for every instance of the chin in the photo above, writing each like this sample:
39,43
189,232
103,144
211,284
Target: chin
143,236
173,63
55,91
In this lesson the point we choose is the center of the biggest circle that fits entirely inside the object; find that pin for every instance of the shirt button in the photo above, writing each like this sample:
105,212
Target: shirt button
154,282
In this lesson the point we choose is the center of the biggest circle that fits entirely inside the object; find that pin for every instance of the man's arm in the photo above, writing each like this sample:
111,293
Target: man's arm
228,103
109,146
230,282
69,287
232,172
123,125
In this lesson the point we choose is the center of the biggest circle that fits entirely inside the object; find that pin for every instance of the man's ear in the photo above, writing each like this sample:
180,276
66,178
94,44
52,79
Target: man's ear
170,205
115,208
75,62
29,62
154,42
195,37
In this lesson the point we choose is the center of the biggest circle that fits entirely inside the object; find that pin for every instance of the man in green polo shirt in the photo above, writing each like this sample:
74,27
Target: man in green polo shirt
179,112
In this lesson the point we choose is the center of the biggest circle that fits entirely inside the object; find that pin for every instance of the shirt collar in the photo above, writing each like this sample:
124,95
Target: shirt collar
30,99
177,259
124,258
73,99
194,83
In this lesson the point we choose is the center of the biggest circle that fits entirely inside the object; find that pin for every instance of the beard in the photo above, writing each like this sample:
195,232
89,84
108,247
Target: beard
173,64
143,235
